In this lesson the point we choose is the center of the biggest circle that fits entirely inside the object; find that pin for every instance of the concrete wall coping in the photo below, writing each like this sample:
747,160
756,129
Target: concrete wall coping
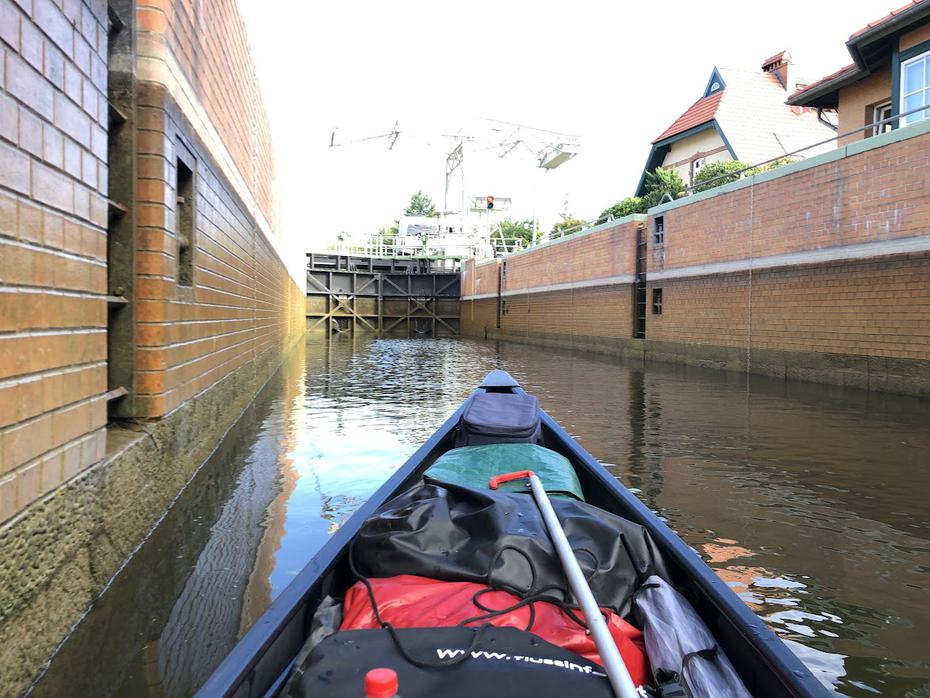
900,134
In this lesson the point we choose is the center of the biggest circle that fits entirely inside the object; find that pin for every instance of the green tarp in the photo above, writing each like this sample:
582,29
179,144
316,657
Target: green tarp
473,466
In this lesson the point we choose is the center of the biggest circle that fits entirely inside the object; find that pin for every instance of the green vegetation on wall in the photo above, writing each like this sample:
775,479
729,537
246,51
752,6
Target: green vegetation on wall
568,225
726,171
518,230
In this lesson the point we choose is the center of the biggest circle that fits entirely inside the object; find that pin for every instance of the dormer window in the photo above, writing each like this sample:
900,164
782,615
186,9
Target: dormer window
714,86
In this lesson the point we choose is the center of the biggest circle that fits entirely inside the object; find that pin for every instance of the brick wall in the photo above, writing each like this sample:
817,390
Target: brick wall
606,253
53,218
574,289
603,253
820,269
479,279
204,44
874,307
241,302
839,253
878,195
197,94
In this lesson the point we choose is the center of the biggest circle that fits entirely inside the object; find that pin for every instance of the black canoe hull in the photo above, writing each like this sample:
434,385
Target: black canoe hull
258,664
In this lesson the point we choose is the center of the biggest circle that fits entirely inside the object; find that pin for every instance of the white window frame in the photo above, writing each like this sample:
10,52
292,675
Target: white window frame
913,118
878,113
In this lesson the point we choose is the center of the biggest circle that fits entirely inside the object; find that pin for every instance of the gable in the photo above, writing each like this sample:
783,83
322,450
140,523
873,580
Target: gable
715,83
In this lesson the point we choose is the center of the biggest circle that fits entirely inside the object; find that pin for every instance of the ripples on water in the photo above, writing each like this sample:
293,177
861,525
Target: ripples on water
810,501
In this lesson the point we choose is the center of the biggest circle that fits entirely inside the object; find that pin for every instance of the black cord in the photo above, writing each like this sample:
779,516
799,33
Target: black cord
420,663
527,597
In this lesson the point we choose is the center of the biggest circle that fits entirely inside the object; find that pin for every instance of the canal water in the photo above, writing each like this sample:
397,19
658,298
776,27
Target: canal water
810,501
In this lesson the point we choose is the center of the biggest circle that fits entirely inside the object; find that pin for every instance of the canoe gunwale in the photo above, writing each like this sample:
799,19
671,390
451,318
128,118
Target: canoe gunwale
233,673
753,631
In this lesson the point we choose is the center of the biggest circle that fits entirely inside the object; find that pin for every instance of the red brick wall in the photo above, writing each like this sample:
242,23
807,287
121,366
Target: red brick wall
603,254
838,251
480,278
874,307
879,306
53,218
880,194
603,309
208,43
242,303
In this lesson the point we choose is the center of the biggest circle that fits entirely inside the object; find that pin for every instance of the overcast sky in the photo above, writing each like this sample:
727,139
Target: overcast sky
615,73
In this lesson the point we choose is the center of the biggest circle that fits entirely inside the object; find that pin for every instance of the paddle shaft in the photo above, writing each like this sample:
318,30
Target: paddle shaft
616,670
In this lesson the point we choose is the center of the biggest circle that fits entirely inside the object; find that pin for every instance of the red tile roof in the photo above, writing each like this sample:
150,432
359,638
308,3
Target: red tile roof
698,113
887,18
851,70
842,72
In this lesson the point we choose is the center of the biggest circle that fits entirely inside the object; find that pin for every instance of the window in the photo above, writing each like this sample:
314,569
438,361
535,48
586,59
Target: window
881,112
658,233
657,301
185,223
696,166
714,86
915,87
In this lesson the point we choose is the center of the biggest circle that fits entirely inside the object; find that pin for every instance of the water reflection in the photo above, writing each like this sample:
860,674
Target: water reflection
808,500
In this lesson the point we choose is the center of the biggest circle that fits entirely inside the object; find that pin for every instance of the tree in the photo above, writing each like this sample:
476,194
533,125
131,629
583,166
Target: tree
567,226
518,230
775,164
723,172
662,182
389,235
630,205
420,205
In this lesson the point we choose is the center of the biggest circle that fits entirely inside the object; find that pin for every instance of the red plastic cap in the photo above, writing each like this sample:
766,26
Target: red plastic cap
381,683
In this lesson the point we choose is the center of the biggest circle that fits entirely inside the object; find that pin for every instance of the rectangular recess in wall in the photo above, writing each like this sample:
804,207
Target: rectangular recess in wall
658,231
184,187
657,301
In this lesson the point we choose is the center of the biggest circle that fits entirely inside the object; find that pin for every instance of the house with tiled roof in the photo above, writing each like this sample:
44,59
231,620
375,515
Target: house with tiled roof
741,115
889,76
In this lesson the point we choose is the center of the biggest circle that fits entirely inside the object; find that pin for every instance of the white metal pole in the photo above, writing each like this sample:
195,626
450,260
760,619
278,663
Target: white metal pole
616,670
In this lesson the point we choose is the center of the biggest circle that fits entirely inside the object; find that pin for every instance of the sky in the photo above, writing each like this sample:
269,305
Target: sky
615,73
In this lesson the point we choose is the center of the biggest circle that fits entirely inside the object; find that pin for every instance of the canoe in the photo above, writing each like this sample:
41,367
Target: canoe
259,665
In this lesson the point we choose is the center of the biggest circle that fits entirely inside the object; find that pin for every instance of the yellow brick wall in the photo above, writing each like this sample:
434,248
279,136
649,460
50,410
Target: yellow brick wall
53,218
53,228
242,301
